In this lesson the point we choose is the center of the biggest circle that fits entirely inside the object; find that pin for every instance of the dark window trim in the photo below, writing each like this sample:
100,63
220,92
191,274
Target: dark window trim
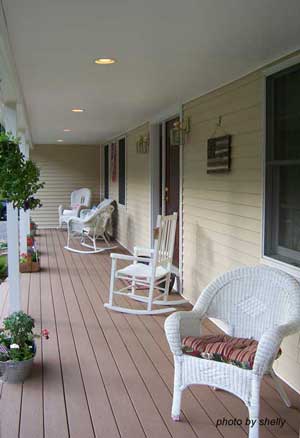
271,249
122,159
106,171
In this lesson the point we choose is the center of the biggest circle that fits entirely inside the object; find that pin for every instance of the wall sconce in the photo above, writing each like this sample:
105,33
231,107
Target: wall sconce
179,131
142,144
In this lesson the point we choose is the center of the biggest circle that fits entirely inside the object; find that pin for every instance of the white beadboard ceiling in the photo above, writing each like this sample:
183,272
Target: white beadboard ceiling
168,51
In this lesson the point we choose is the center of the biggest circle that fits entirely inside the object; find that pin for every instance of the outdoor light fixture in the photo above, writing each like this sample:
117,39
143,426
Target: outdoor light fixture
77,110
142,144
104,61
179,131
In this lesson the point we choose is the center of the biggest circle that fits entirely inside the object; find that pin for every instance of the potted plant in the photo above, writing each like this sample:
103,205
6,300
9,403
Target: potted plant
30,262
17,347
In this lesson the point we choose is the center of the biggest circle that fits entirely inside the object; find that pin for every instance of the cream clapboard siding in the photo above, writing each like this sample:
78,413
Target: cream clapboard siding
222,212
64,168
133,218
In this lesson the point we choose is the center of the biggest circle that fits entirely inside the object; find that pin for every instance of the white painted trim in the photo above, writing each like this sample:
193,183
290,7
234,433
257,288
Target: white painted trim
154,167
10,124
281,65
181,157
154,171
166,114
286,267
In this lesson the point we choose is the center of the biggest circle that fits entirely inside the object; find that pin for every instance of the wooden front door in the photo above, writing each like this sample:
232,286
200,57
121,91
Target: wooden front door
172,183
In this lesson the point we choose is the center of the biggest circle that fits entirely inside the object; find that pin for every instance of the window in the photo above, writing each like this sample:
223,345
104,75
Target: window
106,171
122,171
282,207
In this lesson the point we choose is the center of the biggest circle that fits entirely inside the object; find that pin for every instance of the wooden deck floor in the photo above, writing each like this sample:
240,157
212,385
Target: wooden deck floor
104,374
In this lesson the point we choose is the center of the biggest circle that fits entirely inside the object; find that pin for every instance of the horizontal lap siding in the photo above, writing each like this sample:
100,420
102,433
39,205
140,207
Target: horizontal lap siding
134,218
64,168
222,212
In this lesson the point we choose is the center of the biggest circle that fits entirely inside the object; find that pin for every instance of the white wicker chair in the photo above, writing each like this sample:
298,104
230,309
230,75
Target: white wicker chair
257,302
150,269
89,229
80,199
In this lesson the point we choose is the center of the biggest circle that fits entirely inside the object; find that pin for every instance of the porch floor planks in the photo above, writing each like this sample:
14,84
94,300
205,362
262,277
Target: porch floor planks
105,374
78,414
201,423
99,406
54,404
123,409
147,412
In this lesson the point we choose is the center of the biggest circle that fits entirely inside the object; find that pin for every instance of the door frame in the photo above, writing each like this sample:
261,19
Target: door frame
155,183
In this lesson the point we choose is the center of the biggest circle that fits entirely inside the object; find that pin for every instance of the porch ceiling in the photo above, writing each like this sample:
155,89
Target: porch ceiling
167,52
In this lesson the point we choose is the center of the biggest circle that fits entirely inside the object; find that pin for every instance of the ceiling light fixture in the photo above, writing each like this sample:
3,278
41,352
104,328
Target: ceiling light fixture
59,140
67,130
104,61
77,110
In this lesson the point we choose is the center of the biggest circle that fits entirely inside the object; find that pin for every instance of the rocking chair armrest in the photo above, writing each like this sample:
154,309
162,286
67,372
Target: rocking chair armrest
181,324
78,209
129,258
269,345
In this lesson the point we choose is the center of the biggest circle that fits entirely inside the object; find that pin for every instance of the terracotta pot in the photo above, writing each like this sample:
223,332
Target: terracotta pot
30,267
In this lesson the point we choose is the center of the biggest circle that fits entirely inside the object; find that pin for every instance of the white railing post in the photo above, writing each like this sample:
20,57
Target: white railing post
10,122
24,215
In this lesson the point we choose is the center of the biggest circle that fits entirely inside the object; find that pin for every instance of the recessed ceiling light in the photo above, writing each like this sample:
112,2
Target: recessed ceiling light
104,61
77,110
67,130
60,140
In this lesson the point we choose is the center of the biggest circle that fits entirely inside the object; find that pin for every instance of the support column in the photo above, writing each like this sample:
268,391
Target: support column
10,122
24,215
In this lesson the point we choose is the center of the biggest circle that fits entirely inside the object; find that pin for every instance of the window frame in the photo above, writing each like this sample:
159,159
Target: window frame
125,172
265,259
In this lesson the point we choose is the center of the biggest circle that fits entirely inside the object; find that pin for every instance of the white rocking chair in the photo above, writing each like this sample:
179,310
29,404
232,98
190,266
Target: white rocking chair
151,271
89,229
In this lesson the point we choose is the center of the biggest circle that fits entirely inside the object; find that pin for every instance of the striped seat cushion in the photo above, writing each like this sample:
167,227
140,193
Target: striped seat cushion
223,348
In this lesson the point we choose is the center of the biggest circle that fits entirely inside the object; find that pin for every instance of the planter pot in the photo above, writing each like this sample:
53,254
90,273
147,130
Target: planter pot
15,372
30,267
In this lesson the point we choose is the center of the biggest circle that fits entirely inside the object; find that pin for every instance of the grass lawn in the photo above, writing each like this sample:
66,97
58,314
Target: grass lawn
3,267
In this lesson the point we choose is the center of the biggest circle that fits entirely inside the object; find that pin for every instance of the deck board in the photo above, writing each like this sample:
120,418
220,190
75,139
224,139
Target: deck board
106,374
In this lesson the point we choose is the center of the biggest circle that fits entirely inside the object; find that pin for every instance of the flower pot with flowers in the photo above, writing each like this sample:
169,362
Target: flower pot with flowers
30,261
17,347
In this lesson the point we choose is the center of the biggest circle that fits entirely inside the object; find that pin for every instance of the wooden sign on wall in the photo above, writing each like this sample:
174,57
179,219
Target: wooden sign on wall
219,154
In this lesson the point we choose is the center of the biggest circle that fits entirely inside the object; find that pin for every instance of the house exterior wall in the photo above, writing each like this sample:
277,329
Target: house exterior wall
133,218
64,168
223,212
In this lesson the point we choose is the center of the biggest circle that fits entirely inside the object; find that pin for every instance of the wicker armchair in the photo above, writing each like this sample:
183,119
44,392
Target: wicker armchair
80,199
255,302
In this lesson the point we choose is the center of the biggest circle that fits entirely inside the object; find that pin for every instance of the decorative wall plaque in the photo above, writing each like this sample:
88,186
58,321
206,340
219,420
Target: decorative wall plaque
219,154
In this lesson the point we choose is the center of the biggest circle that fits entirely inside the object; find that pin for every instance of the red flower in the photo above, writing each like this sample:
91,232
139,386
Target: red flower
45,333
